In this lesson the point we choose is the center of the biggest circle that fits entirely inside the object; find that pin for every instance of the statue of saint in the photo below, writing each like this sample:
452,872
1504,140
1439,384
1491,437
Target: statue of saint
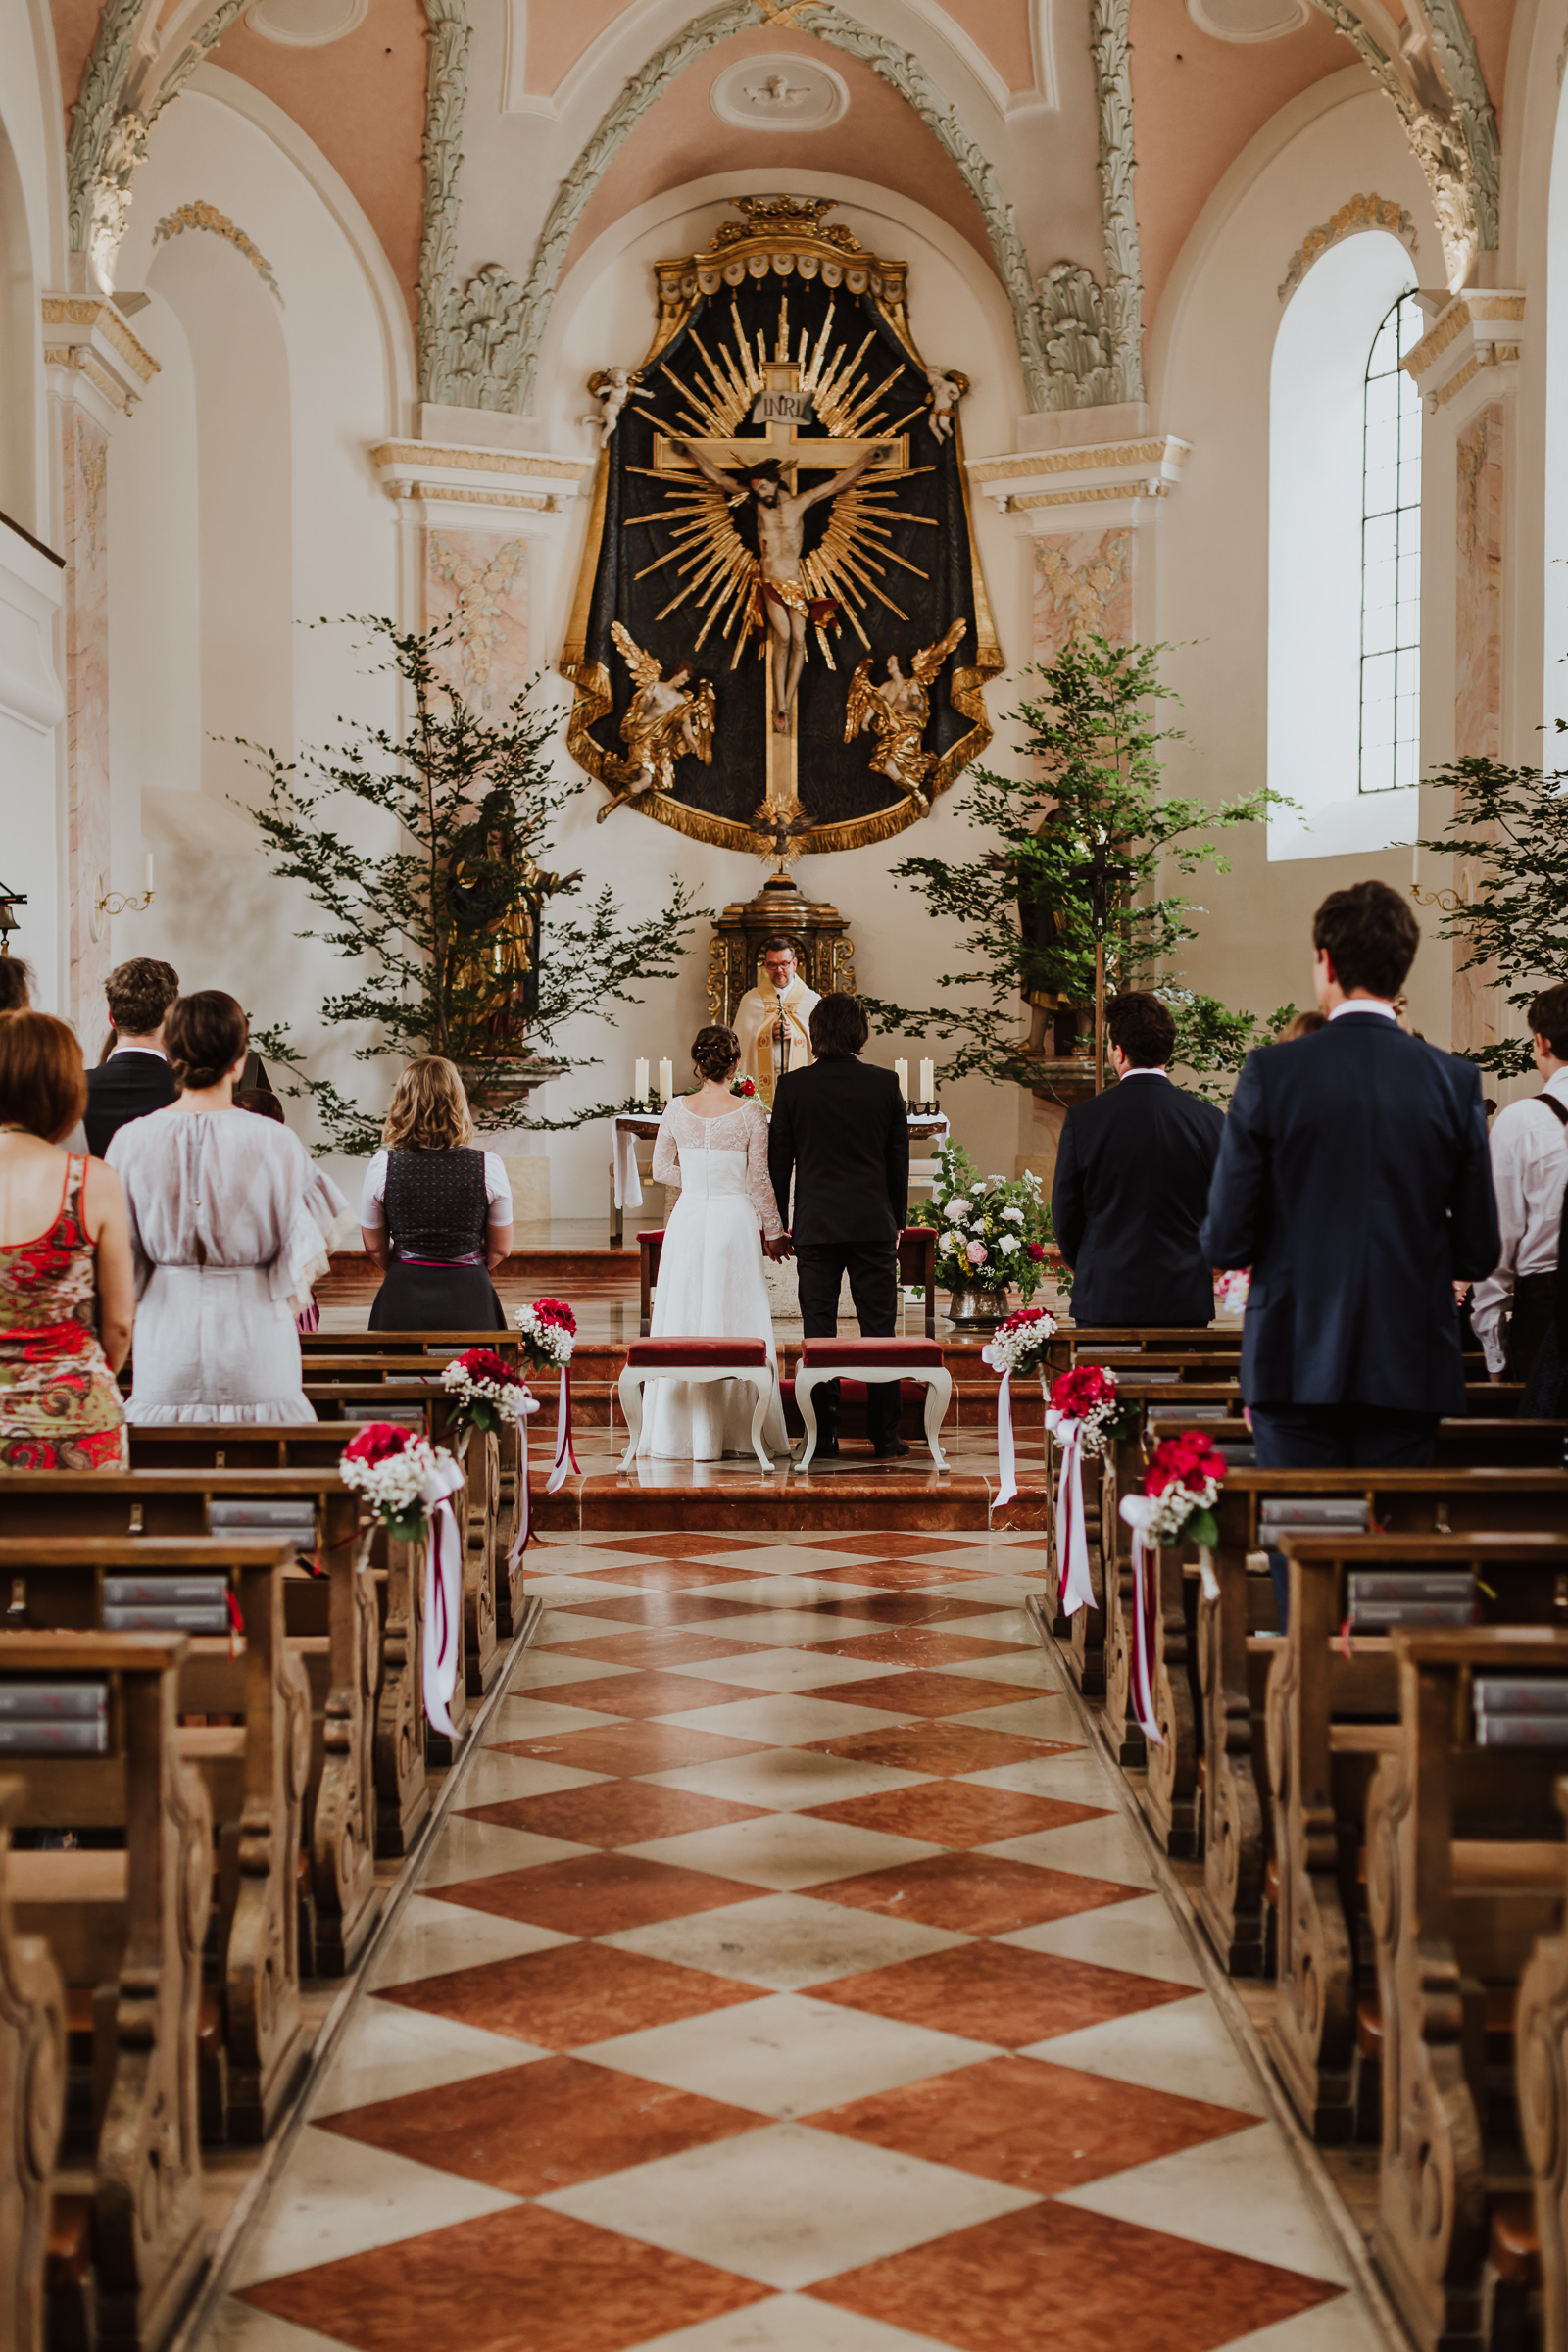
896,713
781,539
495,893
773,1023
667,719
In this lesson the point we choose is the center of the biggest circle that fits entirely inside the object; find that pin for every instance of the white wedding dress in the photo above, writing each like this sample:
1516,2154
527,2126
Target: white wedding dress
710,1280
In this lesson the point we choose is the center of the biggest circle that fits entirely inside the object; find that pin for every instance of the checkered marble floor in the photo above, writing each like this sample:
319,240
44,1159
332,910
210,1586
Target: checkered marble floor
786,1979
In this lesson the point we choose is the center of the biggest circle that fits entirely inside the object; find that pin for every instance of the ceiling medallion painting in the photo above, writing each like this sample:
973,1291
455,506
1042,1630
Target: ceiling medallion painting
781,632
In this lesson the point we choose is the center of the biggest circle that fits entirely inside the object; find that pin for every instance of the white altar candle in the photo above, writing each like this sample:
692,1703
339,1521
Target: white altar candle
901,1071
149,882
667,1079
639,1084
928,1081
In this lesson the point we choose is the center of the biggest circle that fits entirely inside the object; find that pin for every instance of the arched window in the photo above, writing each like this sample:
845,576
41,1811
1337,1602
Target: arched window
1343,478
1391,557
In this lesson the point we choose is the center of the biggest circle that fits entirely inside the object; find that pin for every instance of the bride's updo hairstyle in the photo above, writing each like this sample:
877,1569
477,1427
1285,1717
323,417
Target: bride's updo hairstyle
715,1053
204,1034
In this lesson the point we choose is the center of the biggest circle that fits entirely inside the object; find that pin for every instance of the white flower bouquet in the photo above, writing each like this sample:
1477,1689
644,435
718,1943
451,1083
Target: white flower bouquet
990,1230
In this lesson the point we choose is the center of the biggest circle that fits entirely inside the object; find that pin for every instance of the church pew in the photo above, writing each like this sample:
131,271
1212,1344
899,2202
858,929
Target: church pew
1540,2063
32,2083
126,1927
256,1773
1465,1871
1331,1715
331,1618
399,1731
1231,1642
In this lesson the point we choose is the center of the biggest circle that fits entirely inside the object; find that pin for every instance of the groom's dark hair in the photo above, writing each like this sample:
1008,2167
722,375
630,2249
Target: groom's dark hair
839,1026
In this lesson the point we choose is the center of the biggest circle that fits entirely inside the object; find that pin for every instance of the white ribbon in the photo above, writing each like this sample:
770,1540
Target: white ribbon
1072,1533
522,1525
627,1176
566,1451
1007,1454
1140,1512
443,1596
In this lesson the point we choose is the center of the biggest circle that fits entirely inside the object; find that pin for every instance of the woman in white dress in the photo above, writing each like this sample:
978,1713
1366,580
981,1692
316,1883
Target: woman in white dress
710,1270
228,1225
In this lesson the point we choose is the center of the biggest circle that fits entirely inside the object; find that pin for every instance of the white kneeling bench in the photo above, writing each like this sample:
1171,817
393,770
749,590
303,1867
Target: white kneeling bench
696,1358
874,1359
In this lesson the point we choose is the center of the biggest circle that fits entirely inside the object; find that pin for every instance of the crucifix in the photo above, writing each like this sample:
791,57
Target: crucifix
765,468
1099,874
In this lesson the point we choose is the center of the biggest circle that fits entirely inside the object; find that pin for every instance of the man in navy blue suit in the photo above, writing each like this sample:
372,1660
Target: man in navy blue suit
1354,1179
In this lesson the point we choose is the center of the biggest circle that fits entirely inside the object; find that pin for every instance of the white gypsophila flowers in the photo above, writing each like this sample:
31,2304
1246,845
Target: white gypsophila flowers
393,1486
511,1398
1013,1348
551,1340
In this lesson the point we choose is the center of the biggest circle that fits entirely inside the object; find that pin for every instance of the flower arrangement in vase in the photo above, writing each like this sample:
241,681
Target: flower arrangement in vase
991,1237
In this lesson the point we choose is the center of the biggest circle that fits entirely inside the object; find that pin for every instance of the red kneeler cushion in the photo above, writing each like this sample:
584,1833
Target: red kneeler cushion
743,1355
853,1355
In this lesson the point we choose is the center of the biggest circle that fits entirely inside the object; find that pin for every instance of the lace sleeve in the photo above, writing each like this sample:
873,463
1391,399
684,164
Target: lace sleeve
758,1181
666,1152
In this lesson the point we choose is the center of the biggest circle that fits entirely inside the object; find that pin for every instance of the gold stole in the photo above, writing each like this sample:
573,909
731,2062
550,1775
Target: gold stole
800,1036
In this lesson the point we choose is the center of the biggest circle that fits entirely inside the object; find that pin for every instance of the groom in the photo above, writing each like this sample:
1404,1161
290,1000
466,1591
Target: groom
840,1129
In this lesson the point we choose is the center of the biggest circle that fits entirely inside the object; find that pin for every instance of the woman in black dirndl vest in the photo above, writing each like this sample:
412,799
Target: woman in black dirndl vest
436,1214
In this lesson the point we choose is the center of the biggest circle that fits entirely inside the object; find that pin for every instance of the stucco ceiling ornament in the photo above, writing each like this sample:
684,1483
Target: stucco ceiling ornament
201,214
785,93
1045,386
130,77
1360,214
1427,65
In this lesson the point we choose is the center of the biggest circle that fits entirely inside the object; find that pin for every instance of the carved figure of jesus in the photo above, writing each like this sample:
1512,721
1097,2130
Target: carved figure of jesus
780,536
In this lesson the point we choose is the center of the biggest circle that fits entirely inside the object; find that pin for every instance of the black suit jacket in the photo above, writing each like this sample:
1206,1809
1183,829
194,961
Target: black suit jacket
841,1129
1355,1181
127,1087
1131,1185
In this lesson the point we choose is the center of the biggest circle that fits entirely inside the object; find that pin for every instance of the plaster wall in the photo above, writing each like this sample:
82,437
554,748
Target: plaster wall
1212,574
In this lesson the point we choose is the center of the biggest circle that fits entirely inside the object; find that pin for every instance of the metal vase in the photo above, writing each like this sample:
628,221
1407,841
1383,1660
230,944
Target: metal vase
975,1306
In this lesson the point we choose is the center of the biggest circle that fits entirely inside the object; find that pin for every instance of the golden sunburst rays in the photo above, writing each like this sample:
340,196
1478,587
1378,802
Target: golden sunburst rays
854,563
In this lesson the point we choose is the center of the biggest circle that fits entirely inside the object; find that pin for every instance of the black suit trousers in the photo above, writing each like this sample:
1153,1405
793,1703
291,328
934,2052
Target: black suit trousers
873,1271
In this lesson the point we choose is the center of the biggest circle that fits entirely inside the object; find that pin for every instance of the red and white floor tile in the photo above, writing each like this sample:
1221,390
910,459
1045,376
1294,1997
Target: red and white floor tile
787,1981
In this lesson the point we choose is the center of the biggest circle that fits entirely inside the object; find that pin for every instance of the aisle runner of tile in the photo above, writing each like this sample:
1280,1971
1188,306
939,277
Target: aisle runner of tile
786,1981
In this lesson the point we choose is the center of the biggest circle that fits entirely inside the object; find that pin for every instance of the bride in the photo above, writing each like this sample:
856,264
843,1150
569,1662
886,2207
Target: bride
710,1270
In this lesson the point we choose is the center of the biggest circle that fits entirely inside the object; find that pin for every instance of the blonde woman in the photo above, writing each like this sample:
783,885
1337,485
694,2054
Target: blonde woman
435,1215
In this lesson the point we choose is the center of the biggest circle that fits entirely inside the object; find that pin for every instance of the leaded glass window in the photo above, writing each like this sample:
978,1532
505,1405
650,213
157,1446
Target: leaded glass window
1391,557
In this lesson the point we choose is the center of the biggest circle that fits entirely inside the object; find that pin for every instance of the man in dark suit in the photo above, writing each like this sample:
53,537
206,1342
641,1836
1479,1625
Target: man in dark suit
1132,1182
1354,1180
841,1130
136,1078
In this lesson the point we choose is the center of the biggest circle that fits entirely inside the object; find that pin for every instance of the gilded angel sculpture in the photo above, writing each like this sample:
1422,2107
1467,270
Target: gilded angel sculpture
896,713
667,719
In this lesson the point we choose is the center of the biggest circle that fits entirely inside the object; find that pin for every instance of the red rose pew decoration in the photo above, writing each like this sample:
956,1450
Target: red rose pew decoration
549,1331
409,1483
1174,1505
486,1393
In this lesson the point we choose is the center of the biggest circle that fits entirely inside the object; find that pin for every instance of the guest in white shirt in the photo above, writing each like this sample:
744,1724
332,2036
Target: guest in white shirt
1512,1311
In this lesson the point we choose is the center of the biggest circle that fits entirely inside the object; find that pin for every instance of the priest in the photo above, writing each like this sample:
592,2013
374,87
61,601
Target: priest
773,1022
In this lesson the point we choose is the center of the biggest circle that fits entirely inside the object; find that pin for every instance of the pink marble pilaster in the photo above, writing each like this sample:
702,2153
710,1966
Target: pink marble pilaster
1083,587
1478,667
85,477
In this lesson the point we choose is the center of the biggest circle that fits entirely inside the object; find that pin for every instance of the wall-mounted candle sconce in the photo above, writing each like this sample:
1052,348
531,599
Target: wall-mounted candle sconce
107,902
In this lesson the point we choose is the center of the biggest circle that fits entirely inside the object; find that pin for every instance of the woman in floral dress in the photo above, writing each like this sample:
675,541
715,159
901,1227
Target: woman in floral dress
67,1287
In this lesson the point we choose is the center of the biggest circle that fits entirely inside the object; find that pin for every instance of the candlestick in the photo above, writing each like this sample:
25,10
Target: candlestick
639,1084
928,1081
666,1081
901,1071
